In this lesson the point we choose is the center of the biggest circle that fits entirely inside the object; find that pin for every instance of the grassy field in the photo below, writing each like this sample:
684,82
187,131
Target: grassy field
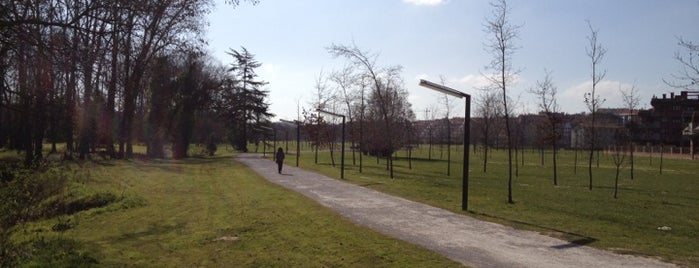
204,212
628,224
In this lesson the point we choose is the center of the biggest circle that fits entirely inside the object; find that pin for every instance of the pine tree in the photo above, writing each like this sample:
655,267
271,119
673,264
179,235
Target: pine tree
243,100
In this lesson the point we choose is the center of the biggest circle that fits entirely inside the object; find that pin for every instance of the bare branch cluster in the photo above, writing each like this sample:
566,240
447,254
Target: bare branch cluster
687,77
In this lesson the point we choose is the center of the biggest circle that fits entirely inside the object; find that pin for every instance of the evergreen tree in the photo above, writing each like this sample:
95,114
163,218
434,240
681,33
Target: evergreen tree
242,101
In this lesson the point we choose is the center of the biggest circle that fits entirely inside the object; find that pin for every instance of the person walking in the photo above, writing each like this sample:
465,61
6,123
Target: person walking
279,158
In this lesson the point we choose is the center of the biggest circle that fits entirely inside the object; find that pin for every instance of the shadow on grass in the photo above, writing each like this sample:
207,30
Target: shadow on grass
176,165
370,184
622,189
574,239
154,230
419,159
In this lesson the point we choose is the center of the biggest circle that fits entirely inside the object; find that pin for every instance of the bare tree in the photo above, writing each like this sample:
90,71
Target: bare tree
595,52
322,100
546,92
631,101
500,44
387,101
488,109
346,80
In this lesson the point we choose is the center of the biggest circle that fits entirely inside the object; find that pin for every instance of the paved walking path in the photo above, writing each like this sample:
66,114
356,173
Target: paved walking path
459,237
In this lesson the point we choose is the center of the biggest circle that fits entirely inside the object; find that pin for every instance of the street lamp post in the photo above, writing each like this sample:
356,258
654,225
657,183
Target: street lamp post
467,131
342,152
298,138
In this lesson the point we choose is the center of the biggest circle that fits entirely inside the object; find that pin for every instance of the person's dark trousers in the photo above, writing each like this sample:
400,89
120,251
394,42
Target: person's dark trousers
279,165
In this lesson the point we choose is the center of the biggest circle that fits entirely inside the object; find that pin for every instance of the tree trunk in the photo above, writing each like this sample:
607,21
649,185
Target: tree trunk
661,158
332,154
632,149
555,166
486,149
616,182
429,150
575,161
516,161
592,148
448,147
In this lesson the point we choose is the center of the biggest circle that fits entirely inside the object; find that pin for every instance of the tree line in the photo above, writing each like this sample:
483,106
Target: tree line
104,75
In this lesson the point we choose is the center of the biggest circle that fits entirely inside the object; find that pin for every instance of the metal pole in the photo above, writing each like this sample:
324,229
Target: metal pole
342,161
467,140
467,132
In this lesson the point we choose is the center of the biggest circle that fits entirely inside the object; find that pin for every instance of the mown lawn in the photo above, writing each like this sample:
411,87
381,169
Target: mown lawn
628,224
207,212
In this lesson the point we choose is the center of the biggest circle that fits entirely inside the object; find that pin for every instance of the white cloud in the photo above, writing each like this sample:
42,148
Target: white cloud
471,81
424,2
270,69
572,100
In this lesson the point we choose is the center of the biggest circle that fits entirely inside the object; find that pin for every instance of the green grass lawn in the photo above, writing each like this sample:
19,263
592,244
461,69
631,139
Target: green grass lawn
570,211
207,212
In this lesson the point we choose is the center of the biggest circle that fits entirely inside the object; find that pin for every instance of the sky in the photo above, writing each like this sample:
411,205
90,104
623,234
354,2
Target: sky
433,38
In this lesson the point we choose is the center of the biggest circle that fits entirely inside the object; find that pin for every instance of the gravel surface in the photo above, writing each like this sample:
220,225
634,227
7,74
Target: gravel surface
459,237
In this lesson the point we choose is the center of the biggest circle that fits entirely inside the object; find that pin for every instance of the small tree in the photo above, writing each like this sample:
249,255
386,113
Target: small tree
488,109
448,106
631,101
546,92
501,45
593,101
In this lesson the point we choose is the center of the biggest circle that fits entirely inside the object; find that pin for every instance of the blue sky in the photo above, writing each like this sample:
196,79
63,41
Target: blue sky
430,38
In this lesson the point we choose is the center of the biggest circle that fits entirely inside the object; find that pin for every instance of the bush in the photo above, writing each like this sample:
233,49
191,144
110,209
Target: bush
22,192
57,252
22,195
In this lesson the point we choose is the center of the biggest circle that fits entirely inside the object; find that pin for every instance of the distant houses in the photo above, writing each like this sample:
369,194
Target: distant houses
669,116
662,124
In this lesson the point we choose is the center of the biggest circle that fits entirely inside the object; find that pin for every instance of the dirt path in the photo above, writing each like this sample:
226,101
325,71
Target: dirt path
459,237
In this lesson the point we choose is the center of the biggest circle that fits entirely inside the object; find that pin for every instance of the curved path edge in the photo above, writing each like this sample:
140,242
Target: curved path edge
459,237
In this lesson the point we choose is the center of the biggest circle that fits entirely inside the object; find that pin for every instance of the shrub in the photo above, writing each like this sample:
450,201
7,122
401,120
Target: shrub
22,192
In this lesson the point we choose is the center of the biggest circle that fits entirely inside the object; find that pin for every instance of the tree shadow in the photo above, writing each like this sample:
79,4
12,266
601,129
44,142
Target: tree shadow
574,239
371,184
575,243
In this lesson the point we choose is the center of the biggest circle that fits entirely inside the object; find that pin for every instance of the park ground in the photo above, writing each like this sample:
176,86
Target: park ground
210,211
